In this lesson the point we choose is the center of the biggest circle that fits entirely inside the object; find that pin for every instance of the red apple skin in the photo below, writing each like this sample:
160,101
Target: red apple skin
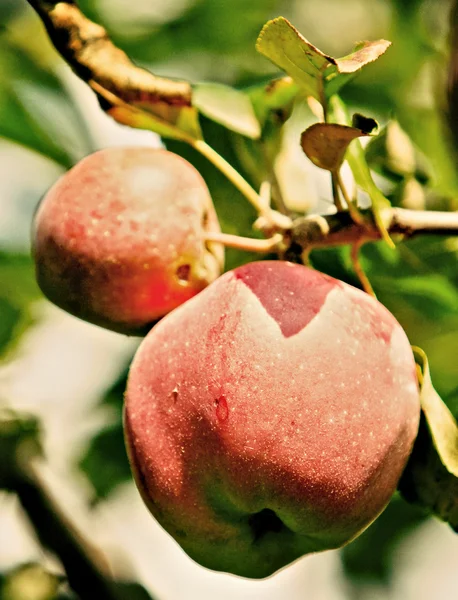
270,417
118,240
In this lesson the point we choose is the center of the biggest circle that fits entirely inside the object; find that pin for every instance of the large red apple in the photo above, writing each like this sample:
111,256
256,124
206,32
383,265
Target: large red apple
271,416
119,239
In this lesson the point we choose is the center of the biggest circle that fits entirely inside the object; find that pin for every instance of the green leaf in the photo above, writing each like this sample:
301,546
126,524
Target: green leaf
18,291
30,581
227,106
371,557
130,591
430,293
18,125
274,99
35,108
282,43
316,72
363,54
361,172
222,32
431,476
427,483
325,144
441,422
19,433
165,120
273,103
9,318
409,194
451,400
105,461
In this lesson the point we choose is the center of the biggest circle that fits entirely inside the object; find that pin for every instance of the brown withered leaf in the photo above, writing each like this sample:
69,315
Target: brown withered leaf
325,144
363,54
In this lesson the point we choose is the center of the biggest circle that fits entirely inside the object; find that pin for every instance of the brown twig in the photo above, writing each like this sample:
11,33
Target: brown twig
339,229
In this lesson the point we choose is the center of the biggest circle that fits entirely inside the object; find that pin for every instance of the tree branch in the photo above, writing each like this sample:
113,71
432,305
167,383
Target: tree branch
81,561
339,229
20,448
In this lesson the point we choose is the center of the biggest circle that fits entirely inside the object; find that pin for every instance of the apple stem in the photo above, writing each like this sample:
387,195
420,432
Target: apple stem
271,244
367,287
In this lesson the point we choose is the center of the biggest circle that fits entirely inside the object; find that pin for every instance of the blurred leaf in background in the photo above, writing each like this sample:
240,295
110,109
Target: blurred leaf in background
18,291
36,109
369,559
104,461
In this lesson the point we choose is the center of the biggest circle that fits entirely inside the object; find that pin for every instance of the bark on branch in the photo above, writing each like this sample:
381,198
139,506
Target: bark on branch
335,230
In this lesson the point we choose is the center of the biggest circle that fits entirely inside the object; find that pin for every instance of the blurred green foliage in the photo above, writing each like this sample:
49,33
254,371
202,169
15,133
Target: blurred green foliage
370,557
36,110
105,460
213,39
18,291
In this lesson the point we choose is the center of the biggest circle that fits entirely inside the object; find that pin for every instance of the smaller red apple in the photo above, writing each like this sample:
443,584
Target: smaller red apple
119,240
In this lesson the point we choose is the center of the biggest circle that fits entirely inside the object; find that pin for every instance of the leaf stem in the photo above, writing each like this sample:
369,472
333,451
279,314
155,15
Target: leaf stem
273,218
352,207
335,191
232,174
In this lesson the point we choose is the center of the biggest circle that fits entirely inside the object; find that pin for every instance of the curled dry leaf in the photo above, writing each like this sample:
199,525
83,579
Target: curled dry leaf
325,144
130,94
363,54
